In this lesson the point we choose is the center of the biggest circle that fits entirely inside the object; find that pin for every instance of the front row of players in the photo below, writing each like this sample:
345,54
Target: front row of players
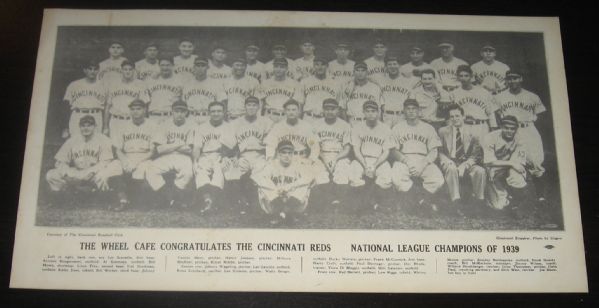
289,165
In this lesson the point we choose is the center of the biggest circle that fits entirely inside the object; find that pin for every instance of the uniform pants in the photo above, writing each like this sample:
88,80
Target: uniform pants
532,139
208,170
266,198
432,178
499,181
383,176
115,168
179,163
340,174
60,178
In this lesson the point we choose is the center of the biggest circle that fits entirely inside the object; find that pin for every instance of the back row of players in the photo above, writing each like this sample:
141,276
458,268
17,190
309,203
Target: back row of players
360,96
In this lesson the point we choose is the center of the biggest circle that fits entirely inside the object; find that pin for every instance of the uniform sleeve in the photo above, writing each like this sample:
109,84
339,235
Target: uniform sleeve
190,137
64,153
221,94
488,149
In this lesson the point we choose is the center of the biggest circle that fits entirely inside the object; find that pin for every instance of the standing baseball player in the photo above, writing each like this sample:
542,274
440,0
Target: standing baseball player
395,89
183,63
80,163
356,92
376,63
431,98
316,89
277,90
148,67
202,90
505,159
217,68
342,68
213,141
371,142
334,135
134,149
250,131
163,91
174,143
460,156
526,107
488,72
284,185
279,52
110,69
254,67
446,66
238,88
416,149
305,64
120,94
416,64
478,104
85,96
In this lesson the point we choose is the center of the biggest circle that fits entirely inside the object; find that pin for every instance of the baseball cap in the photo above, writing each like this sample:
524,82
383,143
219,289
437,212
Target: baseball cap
200,61
410,102
166,58
360,65
252,46
446,43
342,44
416,47
239,60
330,102
252,99
179,104
487,46
391,59
464,68
285,144
509,120
218,45
87,119
137,102
307,39
280,61
127,62
370,104
116,42
279,46
216,103
290,102
321,60
378,41
151,44
513,72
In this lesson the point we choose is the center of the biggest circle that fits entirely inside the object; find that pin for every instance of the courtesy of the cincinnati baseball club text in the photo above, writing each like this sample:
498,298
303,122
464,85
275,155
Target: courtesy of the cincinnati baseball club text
297,151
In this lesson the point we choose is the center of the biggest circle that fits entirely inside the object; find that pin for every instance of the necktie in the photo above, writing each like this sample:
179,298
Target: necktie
459,146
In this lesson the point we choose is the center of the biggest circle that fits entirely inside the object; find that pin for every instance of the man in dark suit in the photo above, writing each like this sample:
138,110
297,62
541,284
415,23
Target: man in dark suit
459,156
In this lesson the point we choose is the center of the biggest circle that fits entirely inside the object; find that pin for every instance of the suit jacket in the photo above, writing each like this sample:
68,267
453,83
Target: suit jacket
472,147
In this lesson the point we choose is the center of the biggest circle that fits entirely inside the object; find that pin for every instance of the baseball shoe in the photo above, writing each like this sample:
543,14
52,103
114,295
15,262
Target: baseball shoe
208,205
123,204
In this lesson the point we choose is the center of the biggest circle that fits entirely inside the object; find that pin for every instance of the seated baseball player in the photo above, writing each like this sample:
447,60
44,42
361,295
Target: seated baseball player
213,141
416,149
173,143
460,156
334,138
505,157
80,164
283,185
134,149
250,131
371,142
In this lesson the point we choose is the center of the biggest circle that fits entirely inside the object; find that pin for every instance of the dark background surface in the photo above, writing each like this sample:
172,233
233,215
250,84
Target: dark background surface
20,26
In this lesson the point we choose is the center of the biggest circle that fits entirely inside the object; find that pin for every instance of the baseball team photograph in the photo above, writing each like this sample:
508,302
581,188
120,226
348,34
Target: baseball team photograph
225,127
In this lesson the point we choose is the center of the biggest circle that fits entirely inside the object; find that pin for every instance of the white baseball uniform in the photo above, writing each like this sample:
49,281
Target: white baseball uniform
275,93
371,142
394,93
407,70
301,136
342,72
274,177
304,67
525,106
183,67
490,76
479,106
210,139
169,133
353,96
415,142
256,70
315,91
237,90
120,94
199,94
80,158
146,70
163,92
496,148
218,72
447,71
332,139
250,142
136,142
85,98
109,70
291,70
376,69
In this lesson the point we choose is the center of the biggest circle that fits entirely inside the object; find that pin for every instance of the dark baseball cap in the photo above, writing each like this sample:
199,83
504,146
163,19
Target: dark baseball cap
252,46
291,101
239,60
488,46
343,45
379,41
360,65
509,120
416,47
321,60
127,62
370,104
330,102
410,102
87,119
391,59
137,102
446,43
513,72
252,99
179,104
280,61
200,61
279,46
285,144
90,63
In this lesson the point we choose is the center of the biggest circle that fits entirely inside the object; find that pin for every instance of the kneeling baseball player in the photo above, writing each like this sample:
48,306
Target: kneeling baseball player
80,163
173,146
284,185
